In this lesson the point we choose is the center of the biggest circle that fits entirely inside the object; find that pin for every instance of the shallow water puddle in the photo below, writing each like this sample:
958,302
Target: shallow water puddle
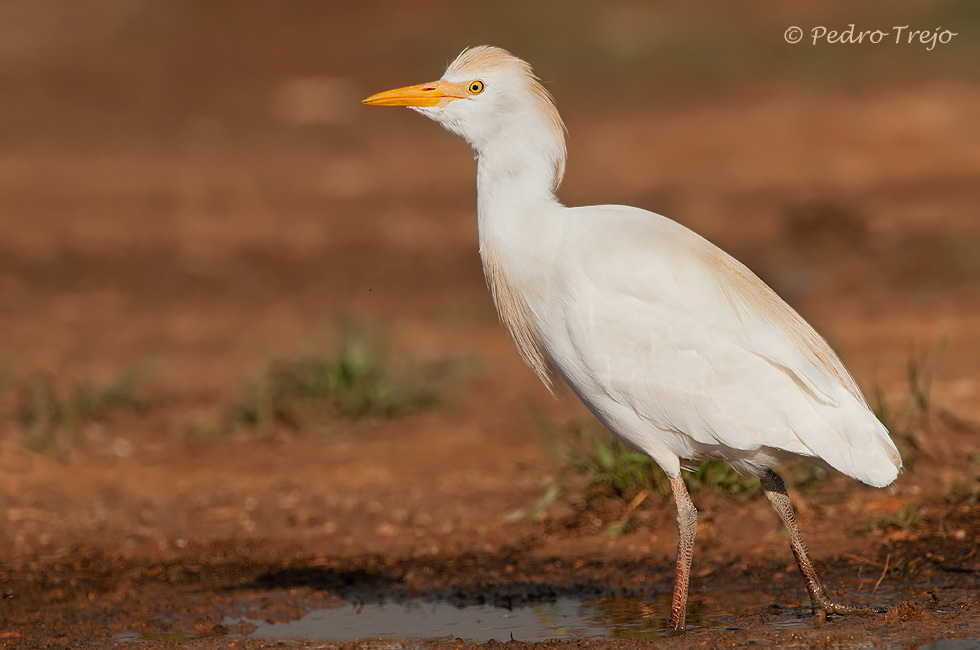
566,617
578,617
952,644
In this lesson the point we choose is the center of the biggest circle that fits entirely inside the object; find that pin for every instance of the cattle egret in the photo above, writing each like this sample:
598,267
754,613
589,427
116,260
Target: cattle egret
679,349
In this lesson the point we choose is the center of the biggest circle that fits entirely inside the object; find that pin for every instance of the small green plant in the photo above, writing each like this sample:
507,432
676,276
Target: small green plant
968,495
719,475
907,518
803,475
50,415
616,472
356,380
920,377
912,416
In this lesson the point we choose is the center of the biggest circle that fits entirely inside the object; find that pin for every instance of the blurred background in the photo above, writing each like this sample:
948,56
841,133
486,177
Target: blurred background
201,227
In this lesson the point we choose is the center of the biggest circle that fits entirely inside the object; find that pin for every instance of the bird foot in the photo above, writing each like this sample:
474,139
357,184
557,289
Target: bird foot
828,606
822,606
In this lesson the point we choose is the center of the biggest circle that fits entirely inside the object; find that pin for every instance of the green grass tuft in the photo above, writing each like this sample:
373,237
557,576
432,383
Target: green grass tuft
614,471
719,476
50,416
912,416
356,380
907,518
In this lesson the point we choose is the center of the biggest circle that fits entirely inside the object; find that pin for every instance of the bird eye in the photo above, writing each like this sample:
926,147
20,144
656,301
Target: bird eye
475,87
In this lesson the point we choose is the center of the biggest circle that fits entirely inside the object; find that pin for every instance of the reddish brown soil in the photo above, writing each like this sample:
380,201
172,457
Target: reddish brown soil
171,202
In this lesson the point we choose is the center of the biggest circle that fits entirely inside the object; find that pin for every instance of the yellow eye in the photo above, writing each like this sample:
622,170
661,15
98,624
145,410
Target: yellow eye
475,87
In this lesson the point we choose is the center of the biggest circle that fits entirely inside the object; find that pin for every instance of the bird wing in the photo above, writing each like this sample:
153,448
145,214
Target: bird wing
667,324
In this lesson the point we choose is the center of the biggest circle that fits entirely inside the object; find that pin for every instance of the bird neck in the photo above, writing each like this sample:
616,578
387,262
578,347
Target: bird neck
518,170
519,225
519,166
526,158
515,196
519,221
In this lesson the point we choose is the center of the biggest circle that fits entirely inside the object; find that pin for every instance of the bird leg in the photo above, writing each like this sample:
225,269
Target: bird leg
687,528
775,490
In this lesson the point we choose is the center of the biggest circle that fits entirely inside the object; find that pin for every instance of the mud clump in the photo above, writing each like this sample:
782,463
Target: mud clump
906,610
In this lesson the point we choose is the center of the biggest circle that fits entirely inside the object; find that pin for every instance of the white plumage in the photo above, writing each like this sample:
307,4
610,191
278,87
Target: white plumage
675,346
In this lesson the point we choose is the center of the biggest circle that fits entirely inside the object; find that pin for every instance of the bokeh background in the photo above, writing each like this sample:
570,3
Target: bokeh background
197,215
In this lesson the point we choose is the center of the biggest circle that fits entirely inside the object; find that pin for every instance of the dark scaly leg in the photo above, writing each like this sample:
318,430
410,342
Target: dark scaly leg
775,490
687,528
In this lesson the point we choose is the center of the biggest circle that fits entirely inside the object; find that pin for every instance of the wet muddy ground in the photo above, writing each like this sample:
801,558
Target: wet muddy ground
182,211
226,597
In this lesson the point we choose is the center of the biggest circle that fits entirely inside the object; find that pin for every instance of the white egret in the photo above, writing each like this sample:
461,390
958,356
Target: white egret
679,349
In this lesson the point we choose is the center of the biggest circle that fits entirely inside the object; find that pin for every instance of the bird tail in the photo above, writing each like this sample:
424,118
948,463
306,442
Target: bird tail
862,448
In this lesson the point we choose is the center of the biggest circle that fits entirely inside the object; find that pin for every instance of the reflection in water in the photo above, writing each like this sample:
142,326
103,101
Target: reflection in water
634,617
611,617
622,617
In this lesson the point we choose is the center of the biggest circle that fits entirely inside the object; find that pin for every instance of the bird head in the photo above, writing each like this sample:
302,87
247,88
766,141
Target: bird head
488,96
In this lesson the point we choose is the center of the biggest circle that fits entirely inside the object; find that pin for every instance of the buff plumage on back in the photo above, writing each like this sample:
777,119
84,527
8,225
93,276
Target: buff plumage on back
474,60
817,366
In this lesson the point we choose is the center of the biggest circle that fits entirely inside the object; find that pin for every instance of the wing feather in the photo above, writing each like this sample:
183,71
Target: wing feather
694,343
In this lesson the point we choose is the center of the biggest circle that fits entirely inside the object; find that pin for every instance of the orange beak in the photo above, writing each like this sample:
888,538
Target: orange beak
436,93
